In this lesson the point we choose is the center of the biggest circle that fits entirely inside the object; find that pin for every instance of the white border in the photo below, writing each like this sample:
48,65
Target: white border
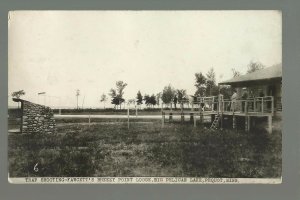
142,180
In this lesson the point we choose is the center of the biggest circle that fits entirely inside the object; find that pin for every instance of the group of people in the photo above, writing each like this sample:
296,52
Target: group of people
245,96
233,105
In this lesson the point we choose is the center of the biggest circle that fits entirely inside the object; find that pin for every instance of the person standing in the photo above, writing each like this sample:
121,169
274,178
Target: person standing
244,99
233,100
220,101
260,100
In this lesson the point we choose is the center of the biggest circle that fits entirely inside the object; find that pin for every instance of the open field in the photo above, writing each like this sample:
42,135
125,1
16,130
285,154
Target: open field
108,148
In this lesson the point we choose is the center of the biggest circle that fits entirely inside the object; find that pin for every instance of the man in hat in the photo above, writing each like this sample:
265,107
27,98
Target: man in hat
244,99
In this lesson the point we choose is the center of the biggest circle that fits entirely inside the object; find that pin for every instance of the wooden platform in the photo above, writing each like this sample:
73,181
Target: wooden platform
178,112
213,106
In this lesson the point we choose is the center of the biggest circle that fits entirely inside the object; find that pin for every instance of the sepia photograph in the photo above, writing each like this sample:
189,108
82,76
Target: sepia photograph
145,97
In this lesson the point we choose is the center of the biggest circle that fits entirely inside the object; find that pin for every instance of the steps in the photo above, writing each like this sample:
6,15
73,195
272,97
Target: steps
215,123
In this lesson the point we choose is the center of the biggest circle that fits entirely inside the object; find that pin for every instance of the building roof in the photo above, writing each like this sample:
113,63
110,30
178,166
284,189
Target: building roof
264,74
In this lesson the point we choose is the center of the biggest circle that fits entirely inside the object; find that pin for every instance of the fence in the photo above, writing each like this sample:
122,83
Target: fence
258,105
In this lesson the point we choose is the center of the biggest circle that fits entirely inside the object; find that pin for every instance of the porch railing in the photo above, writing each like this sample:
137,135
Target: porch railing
262,105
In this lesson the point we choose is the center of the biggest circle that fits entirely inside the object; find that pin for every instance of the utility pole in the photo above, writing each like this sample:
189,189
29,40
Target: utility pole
77,95
44,94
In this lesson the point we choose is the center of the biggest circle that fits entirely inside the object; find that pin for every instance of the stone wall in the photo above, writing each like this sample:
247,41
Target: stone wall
37,119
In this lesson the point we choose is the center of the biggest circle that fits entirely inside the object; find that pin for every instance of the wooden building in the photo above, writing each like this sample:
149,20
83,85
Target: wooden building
261,83
262,100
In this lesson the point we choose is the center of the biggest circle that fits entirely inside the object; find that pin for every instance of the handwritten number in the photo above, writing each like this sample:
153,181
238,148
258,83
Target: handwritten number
35,168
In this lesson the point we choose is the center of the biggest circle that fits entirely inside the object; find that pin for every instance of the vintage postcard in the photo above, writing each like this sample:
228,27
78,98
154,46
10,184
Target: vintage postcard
145,97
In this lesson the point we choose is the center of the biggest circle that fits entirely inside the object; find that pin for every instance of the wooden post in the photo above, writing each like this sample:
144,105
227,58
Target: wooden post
270,123
272,104
221,121
195,121
170,116
136,112
254,104
233,121
128,117
162,119
247,123
191,117
200,111
223,104
262,105
212,117
201,118
212,104
246,106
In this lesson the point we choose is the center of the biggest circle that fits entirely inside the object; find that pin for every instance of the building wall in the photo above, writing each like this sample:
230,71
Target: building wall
37,119
257,87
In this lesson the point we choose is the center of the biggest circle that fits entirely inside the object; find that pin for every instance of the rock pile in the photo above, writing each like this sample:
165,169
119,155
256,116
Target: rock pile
37,119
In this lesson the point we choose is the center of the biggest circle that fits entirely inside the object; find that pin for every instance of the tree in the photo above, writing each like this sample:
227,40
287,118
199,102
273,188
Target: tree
153,100
226,91
77,95
117,94
181,94
114,99
211,87
120,89
254,66
235,73
18,94
150,100
200,84
168,95
131,101
158,97
139,98
147,100
103,99
175,100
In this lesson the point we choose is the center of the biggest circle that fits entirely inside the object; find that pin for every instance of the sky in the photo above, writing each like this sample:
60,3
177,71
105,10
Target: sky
58,52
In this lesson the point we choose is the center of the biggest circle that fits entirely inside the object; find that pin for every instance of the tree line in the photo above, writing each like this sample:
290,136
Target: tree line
205,86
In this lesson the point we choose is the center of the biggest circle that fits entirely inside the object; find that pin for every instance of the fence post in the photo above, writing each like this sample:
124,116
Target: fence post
270,123
262,105
162,119
233,121
254,104
212,104
136,112
128,117
170,117
272,105
191,117
247,123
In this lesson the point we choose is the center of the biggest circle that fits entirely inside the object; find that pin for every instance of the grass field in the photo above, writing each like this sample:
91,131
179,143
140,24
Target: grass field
108,148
